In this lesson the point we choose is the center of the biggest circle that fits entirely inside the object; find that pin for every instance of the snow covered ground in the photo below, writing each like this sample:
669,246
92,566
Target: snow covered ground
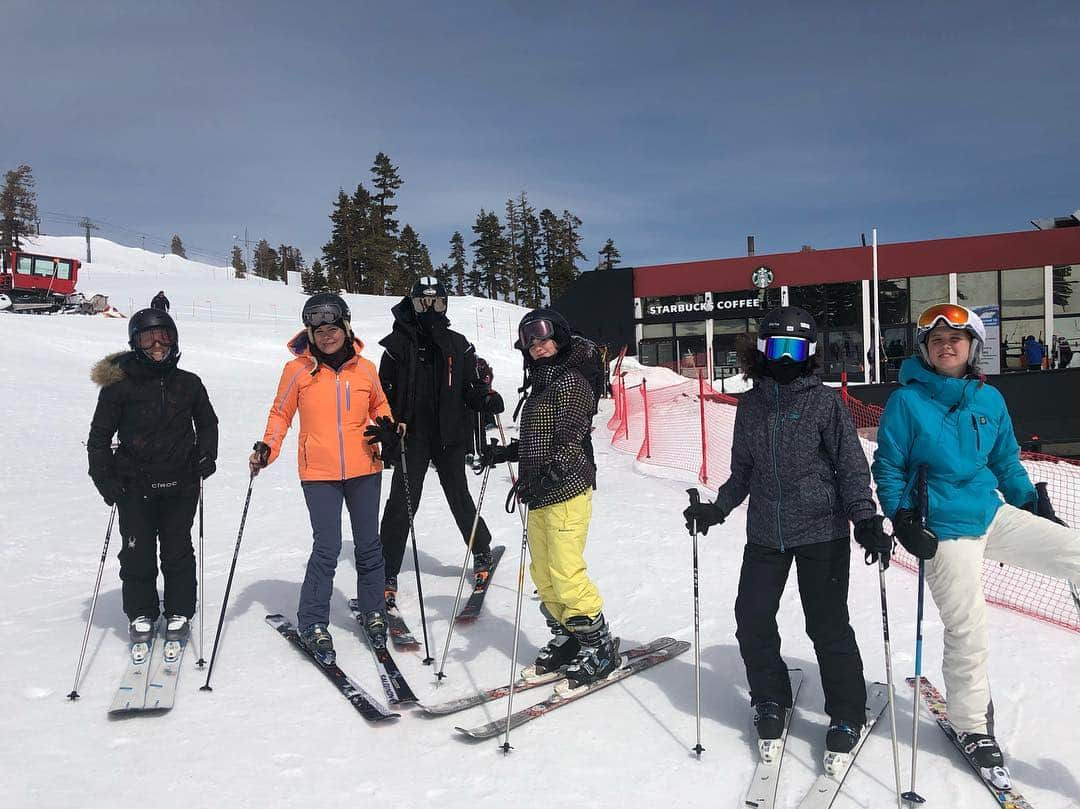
274,733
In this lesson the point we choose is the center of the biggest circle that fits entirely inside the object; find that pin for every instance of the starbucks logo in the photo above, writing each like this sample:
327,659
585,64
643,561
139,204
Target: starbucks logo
762,277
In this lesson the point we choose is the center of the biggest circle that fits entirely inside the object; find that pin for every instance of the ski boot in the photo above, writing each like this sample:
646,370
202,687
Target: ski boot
598,655
557,654
375,627
840,741
983,752
141,633
317,639
481,568
769,720
177,631
390,593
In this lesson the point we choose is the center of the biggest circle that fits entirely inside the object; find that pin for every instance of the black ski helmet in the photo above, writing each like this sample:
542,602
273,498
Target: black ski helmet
788,321
559,326
147,319
326,308
428,293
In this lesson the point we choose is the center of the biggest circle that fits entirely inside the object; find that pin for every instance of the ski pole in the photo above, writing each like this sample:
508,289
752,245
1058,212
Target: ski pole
1076,596
882,564
695,499
93,604
202,586
228,585
911,796
510,466
428,659
505,746
464,565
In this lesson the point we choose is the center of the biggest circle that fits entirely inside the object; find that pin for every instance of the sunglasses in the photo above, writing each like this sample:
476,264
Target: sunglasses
146,339
952,314
798,348
421,305
323,314
536,331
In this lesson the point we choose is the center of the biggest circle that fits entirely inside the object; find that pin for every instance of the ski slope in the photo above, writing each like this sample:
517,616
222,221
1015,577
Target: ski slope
274,733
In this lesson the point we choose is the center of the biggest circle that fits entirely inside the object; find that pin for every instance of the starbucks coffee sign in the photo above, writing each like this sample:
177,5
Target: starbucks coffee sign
721,305
761,277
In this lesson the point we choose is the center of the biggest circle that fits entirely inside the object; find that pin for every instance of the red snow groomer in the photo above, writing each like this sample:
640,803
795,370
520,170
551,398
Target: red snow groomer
30,282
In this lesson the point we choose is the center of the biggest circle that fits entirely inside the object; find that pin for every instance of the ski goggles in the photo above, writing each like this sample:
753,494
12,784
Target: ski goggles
423,304
956,316
536,331
146,339
798,348
322,314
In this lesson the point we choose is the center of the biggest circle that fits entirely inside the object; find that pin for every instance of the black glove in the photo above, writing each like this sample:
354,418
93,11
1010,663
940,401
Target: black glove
870,533
495,453
110,489
920,542
703,515
532,489
384,432
205,466
1041,505
262,455
493,405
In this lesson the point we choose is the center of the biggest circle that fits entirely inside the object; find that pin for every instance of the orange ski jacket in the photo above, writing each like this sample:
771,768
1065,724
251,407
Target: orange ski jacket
335,408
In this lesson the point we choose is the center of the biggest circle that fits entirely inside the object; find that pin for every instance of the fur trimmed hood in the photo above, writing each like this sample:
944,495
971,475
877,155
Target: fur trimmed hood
107,371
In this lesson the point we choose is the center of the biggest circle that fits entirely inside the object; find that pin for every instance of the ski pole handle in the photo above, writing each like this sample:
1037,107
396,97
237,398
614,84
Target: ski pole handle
695,500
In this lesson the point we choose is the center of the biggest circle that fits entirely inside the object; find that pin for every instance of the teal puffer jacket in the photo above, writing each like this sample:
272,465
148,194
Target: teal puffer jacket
959,428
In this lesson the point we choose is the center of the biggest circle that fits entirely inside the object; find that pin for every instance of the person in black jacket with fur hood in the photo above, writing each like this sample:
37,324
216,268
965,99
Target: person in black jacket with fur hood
428,372
797,455
168,439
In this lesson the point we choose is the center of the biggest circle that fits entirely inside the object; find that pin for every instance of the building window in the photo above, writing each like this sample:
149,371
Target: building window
893,301
1066,302
1022,293
927,291
977,288
688,329
844,304
656,330
811,298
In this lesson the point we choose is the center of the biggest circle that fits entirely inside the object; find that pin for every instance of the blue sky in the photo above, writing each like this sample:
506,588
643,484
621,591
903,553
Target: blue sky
675,129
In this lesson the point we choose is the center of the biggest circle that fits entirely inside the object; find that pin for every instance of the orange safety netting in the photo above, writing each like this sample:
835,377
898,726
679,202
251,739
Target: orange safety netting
686,430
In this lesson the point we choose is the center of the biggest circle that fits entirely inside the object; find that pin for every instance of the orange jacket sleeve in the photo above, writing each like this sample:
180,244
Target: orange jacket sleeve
283,408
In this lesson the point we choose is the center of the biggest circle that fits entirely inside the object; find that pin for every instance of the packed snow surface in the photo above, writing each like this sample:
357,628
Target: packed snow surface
275,733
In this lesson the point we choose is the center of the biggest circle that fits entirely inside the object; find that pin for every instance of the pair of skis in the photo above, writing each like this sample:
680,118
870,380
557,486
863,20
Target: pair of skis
637,660
150,680
766,778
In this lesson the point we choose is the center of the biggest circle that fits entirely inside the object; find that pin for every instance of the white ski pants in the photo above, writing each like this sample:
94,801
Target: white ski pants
954,575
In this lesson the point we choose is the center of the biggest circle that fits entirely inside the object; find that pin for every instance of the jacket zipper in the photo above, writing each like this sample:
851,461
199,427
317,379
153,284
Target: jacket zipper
449,372
340,434
776,468
163,397
348,395
975,426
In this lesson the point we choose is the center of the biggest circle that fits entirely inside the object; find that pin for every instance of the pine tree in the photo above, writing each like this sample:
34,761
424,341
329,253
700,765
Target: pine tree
532,278
18,207
567,242
338,252
384,227
609,256
314,281
512,235
265,261
490,256
458,264
177,247
238,264
290,260
411,260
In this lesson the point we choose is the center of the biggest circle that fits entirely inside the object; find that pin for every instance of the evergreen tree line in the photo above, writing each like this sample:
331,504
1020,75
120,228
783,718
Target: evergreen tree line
528,258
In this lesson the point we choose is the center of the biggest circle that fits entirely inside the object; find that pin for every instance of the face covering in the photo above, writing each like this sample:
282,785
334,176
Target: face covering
785,371
431,320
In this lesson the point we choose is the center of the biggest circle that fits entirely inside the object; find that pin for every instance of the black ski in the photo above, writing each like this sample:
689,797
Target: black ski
559,699
472,607
360,699
393,681
400,634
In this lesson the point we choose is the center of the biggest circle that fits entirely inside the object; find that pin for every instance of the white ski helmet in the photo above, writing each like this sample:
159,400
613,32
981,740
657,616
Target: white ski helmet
955,317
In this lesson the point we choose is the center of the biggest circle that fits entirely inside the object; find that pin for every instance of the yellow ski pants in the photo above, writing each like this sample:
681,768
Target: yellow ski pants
557,536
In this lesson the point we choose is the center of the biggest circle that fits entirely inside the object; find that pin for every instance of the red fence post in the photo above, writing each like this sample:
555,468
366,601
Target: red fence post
645,400
626,411
703,475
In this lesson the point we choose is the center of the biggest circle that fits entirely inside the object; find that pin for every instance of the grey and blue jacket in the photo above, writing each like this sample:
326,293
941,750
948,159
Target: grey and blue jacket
798,456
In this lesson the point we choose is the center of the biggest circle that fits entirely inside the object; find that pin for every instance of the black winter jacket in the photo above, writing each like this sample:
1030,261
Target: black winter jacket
162,418
798,456
556,421
459,395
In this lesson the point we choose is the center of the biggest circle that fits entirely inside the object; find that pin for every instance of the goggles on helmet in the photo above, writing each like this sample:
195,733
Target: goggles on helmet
146,338
421,304
536,331
321,314
797,348
956,316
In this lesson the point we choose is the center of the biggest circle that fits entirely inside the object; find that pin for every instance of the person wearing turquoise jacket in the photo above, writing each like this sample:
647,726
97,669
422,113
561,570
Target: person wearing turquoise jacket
980,503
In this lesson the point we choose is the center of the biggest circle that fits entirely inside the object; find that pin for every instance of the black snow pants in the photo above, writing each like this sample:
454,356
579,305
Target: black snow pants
145,524
450,466
822,570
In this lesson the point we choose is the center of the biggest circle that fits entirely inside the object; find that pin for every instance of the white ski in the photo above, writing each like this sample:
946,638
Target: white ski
762,791
131,694
161,689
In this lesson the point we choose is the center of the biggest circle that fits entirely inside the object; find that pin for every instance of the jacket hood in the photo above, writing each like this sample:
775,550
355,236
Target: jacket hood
541,373
107,370
300,346
947,389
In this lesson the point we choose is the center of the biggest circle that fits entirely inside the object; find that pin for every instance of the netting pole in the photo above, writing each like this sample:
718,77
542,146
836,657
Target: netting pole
645,400
703,475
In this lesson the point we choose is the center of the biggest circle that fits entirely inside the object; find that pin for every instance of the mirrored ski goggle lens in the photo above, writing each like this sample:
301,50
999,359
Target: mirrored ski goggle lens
146,339
951,313
425,303
536,331
798,348
325,313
